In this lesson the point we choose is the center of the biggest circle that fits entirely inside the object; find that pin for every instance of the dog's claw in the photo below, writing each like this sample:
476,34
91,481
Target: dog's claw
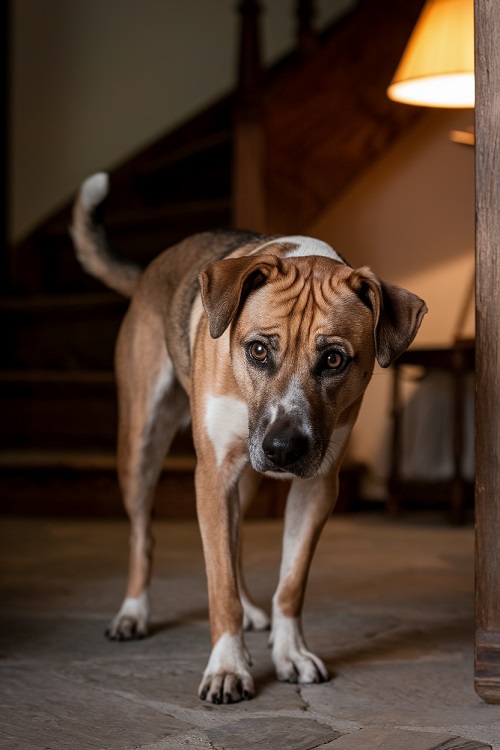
226,688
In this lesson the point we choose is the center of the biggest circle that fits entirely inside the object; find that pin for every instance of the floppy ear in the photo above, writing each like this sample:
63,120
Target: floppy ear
225,283
397,314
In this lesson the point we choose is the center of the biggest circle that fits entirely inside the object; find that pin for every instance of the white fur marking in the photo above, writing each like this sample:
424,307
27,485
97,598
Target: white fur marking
228,655
162,384
306,246
295,402
138,608
94,189
226,421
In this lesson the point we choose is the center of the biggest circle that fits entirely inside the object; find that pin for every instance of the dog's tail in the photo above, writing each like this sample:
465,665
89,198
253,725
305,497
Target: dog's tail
89,239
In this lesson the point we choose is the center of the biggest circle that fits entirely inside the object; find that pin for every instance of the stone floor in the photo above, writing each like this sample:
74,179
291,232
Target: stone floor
389,608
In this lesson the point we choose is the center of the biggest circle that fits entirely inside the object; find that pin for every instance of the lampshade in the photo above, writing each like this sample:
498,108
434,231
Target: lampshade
437,67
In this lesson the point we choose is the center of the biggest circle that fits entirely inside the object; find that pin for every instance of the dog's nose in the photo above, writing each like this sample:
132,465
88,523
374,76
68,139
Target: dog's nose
284,446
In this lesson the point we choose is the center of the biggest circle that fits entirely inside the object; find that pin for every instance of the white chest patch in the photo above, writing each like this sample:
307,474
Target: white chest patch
226,421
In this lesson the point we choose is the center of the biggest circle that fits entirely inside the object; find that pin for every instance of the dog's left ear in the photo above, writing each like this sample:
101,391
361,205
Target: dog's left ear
225,284
397,313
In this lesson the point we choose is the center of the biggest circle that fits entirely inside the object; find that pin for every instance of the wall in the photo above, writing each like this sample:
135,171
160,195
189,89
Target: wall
410,217
94,80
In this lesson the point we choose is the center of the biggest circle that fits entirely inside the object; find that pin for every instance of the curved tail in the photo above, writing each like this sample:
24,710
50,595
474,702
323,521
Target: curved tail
89,239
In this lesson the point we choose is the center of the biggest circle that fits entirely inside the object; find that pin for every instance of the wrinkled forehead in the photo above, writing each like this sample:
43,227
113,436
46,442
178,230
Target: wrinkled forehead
308,297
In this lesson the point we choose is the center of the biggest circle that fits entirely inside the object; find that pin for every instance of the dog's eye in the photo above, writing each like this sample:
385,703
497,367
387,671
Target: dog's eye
258,351
334,360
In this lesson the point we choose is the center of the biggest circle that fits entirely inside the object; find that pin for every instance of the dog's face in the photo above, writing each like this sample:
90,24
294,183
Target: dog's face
305,333
302,353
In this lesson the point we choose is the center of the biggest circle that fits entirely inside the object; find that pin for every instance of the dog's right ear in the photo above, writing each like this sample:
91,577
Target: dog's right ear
225,284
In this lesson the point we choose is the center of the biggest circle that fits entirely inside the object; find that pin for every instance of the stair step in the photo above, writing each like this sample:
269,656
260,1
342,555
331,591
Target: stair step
79,484
47,262
71,460
55,410
70,332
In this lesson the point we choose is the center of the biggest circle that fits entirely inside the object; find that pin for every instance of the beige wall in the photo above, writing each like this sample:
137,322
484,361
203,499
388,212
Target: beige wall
95,80
410,217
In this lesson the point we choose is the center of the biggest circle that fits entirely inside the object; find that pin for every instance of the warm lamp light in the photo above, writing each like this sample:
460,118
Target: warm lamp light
437,67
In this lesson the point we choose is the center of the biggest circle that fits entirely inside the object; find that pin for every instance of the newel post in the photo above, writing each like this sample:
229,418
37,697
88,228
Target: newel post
307,37
248,143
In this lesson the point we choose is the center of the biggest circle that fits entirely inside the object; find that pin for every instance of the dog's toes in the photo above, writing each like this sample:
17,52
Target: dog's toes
226,688
131,622
255,618
126,629
301,667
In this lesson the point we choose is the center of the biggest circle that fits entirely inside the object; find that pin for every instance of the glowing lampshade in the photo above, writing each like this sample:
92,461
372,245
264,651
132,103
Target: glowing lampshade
437,67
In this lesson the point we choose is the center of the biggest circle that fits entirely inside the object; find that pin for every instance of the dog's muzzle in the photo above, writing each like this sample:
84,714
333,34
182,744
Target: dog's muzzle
285,446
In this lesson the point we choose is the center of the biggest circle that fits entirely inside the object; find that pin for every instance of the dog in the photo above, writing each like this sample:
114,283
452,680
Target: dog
267,344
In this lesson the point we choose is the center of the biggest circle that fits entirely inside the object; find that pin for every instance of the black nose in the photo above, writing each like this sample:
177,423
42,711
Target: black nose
284,446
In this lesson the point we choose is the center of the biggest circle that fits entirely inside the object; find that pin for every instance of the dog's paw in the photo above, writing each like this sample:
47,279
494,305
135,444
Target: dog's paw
255,618
300,666
226,678
292,659
131,622
226,687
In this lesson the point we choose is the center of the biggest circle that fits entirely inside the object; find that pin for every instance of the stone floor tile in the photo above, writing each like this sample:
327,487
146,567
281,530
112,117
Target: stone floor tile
278,733
398,739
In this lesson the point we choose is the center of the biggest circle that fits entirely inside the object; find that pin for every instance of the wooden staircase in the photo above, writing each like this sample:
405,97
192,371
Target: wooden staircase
270,156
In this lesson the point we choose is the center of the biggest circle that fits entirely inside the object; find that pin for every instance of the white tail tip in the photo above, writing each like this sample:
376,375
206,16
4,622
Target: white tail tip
94,190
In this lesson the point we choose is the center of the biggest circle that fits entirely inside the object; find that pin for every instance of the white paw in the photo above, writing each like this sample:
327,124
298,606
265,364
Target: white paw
226,678
131,621
254,618
292,659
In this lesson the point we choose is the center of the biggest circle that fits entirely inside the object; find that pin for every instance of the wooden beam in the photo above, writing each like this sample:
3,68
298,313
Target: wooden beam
487,671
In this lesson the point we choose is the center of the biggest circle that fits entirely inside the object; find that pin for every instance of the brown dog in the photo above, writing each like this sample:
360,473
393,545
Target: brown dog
269,344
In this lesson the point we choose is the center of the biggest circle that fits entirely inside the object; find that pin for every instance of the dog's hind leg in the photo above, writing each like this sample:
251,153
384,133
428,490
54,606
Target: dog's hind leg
152,407
254,618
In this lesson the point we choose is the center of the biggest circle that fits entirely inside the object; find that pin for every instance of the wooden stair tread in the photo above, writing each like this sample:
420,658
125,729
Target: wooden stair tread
57,377
72,460
41,302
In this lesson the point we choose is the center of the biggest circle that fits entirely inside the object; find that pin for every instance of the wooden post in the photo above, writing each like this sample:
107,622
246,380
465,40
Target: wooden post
487,670
248,145
5,259
306,36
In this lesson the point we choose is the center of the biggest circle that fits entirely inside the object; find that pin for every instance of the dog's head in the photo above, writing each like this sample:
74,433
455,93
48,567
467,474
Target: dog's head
305,333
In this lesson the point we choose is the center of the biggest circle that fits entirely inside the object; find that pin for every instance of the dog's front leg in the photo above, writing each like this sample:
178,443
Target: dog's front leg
226,678
309,504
